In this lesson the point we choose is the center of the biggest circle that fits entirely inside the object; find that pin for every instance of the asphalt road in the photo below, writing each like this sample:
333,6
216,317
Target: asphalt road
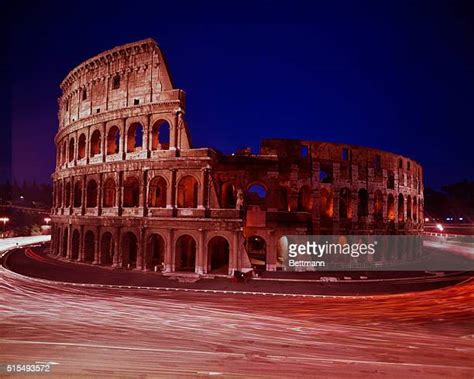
93,332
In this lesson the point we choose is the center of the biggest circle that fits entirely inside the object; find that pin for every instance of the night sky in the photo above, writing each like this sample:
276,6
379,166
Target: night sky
393,75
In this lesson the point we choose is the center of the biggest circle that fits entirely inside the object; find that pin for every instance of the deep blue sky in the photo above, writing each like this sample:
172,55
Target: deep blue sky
396,75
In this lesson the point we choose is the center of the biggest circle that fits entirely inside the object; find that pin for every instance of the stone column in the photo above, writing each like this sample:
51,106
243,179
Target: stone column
103,142
84,190
201,251
171,190
81,244
117,251
69,242
169,258
123,137
97,247
202,203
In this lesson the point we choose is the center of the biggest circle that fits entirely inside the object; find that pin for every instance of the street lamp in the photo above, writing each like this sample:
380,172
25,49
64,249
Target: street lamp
4,220
47,220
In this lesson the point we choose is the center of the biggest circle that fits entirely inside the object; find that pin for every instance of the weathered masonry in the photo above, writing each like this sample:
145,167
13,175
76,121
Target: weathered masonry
131,191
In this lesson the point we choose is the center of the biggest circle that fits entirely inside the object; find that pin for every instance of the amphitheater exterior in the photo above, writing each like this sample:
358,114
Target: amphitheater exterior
131,191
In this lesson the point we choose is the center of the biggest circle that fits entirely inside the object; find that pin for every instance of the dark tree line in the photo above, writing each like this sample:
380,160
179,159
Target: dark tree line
28,194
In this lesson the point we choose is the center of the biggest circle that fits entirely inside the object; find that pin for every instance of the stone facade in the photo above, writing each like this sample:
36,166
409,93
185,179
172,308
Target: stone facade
130,191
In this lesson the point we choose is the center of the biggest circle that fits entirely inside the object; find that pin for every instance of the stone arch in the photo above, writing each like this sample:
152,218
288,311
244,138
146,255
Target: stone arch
218,249
91,194
129,248
67,194
160,135
228,199
65,242
345,210
187,192
415,209
77,194
401,208
96,142
363,203
107,249
59,197
113,140
71,149
305,199
64,153
75,244
185,256
155,252
131,192
409,208
256,194
390,180
89,246
81,147
257,251
109,193
157,192
390,207
378,205
326,203
134,137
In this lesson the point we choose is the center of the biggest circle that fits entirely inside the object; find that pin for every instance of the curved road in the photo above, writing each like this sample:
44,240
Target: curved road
96,332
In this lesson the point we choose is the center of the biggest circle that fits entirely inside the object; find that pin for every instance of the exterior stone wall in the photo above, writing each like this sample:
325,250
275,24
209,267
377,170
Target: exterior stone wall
130,190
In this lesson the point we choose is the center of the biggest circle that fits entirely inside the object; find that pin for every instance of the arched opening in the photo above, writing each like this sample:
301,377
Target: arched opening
157,193
256,194
91,194
95,143
75,245
156,252
390,207
345,204
77,194
282,199
107,249
187,192
185,259
131,192
160,135
64,153
71,150
68,195
378,206
326,204
109,193
390,180
363,205
134,137
305,199
113,140
218,255
401,207
228,196
65,241
415,209
257,252
81,148
59,203
89,247
129,250
409,207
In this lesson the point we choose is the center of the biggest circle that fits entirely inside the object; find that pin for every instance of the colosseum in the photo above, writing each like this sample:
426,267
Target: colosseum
132,192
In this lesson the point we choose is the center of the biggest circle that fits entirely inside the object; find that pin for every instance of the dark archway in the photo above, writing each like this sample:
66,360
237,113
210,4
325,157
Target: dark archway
257,252
91,201
187,192
157,192
131,192
282,199
107,250
77,194
326,204
218,255
65,241
129,250
156,252
401,208
378,206
76,238
96,143
185,258
345,204
305,199
363,204
390,207
81,148
228,199
89,247
256,194
109,193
